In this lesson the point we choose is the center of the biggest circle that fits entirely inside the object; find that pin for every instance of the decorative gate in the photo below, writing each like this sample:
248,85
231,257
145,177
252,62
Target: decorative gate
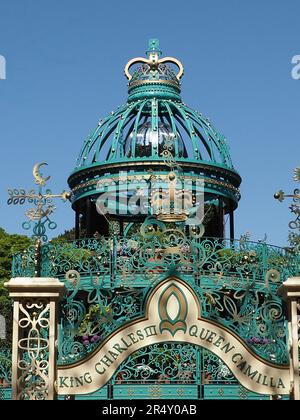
108,282
179,372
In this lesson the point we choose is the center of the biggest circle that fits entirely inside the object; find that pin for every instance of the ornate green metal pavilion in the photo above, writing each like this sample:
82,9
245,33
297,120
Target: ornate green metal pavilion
119,260
153,131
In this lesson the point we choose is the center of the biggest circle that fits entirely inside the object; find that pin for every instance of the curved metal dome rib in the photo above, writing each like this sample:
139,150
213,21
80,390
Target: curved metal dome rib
109,141
96,136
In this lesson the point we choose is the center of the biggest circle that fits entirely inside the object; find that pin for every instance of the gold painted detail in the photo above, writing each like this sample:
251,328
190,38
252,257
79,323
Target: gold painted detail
33,362
155,391
39,179
153,62
243,393
130,392
152,82
145,177
171,205
169,323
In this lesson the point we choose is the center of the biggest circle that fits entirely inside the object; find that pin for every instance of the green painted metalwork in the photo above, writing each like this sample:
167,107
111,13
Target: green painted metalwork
5,367
202,135
5,373
294,225
137,133
39,216
5,393
107,281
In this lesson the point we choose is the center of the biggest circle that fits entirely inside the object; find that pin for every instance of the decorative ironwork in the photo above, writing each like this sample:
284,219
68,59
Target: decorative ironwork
160,364
155,391
39,216
33,364
154,68
108,279
243,393
295,208
298,331
5,368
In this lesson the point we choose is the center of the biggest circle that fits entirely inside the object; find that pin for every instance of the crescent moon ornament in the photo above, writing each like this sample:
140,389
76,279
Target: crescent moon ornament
39,179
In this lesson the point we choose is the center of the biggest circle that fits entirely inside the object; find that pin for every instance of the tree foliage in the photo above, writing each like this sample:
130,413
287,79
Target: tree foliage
68,235
9,245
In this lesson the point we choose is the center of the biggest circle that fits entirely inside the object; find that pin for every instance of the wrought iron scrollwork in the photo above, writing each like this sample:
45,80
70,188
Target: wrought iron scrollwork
107,280
33,363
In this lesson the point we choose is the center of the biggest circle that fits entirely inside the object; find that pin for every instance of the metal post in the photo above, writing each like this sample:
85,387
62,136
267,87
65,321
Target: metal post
221,218
34,336
88,217
77,226
290,290
231,217
294,357
15,338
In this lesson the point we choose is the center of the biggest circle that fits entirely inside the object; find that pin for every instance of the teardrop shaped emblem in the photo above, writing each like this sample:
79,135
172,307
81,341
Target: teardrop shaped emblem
172,308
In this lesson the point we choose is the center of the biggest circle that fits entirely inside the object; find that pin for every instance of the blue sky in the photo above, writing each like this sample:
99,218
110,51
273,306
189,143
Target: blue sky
65,63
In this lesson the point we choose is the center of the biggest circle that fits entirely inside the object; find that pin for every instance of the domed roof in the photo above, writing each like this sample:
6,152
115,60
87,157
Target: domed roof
154,112
119,136
153,125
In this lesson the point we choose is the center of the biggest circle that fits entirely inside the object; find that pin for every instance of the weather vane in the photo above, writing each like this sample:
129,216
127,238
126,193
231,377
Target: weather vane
39,216
295,208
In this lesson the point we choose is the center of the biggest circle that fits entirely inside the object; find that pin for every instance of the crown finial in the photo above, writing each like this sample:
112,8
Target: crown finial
154,61
153,47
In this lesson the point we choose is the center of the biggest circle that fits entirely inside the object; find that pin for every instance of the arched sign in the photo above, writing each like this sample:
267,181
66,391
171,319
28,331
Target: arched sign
173,314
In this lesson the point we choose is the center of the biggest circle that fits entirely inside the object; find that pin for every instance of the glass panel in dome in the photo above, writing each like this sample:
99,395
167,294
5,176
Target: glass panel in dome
146,138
